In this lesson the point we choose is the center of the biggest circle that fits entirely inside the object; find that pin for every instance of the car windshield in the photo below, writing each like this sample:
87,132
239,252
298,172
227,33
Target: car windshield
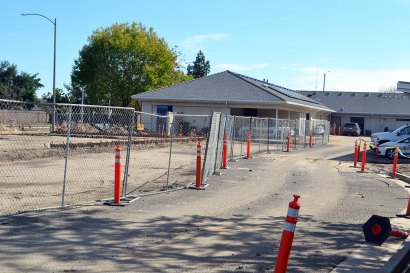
405,140
399,129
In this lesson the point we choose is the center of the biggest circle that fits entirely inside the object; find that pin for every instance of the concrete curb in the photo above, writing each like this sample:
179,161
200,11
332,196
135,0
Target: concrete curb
399,261
402,177
392,257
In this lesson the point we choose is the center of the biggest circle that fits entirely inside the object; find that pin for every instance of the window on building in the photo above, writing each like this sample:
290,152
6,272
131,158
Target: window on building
164,109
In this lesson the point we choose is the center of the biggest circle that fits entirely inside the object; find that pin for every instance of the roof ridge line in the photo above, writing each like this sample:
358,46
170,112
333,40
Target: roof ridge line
248,81
179,83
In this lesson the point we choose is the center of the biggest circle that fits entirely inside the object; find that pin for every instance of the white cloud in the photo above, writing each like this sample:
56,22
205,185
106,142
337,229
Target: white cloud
373,80
239,67
194,42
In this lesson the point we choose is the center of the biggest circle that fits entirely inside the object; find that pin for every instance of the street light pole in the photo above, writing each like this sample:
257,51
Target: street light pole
54,64
324,80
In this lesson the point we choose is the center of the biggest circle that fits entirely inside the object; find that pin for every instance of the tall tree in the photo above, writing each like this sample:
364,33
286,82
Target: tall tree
123,60
61,97
200,68
17,86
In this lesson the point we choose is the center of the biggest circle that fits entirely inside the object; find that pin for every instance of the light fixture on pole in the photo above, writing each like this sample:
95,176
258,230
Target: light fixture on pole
324,79
54,64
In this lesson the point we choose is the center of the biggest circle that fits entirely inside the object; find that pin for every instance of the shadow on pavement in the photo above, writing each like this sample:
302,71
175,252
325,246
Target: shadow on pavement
88,241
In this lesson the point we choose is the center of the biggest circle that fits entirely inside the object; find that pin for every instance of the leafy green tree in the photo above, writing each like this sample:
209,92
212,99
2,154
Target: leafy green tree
200,68
61,97
17,86
123,60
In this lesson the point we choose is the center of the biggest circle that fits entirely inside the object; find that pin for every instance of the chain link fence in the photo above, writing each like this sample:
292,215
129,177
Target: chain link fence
42,168
163,151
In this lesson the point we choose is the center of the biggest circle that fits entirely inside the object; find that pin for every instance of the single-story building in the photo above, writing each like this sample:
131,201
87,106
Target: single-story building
233,94
374,112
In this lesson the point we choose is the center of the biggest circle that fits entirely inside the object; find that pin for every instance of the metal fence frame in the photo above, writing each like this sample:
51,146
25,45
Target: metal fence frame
174,136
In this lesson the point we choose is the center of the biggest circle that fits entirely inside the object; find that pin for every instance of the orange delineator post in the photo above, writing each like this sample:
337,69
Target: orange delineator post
225,153
396,158
248,147
399,234
117,175
364,157
198,180
310,139
288,145
355,155
408,208
287,236
339,130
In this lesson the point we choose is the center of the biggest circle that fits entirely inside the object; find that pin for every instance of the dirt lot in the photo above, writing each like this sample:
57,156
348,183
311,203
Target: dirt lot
382,165
32,167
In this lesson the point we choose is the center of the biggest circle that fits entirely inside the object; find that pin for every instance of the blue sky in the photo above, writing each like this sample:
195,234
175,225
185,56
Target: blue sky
364,44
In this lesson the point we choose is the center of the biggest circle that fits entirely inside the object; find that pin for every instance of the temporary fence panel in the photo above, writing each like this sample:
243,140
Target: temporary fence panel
230,133
164,151
150,153
241,127
92,134
190,129
219,145
211,147
31,169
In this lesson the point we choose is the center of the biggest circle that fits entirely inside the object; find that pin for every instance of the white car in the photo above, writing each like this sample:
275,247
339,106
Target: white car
387,149
396,135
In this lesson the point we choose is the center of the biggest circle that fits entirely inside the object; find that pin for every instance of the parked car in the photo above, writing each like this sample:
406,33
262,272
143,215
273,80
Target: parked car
351,128
387,149
383,137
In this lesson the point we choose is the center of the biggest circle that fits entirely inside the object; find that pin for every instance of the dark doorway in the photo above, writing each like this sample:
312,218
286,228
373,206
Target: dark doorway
250,112
335,124
359,121
307,116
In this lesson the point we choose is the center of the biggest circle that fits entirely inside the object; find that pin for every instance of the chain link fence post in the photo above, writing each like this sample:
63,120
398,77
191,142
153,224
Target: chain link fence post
67,151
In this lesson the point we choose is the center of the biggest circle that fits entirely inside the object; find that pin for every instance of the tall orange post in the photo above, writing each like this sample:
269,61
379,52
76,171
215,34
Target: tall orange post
339,130
117,175
198,180
395,160
358,150
355,155
310,139
287,236
364,156
225,153
248,146
288,144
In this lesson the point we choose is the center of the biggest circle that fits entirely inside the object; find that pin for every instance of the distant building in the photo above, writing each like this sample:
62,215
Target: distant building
233,94
403,86
374,112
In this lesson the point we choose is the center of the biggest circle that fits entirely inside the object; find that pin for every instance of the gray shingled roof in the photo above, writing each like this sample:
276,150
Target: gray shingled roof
229,87
363,102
